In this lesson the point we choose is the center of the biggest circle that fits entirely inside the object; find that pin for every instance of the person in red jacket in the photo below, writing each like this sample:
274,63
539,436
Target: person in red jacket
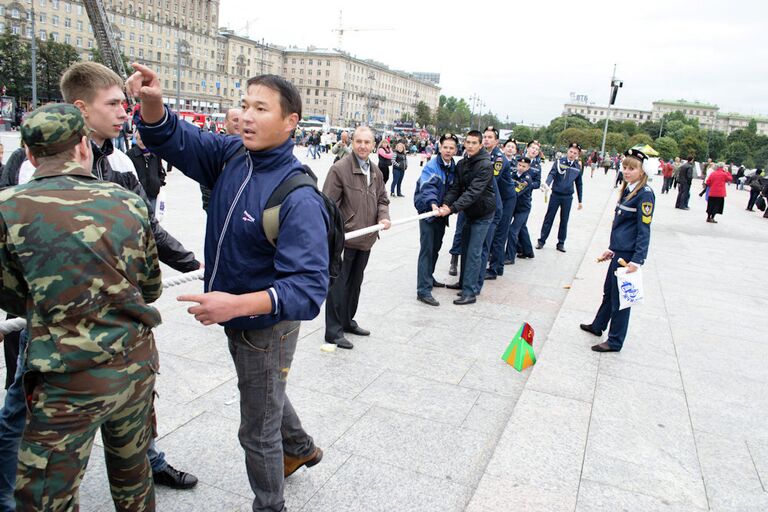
716,182
667,169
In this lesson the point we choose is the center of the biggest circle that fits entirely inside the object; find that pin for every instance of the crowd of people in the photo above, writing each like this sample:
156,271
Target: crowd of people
87,359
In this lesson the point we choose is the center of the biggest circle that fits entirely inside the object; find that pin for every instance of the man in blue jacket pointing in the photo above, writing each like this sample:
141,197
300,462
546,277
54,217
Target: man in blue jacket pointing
257,291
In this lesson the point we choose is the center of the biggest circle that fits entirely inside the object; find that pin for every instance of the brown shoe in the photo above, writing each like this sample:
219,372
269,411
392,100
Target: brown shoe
292,464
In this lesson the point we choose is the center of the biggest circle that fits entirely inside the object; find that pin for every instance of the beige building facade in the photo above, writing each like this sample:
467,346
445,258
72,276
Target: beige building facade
173,35
709,116
351,91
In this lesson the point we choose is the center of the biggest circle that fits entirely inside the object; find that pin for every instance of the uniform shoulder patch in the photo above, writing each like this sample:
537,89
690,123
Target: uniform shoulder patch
498,165
646,219
647,208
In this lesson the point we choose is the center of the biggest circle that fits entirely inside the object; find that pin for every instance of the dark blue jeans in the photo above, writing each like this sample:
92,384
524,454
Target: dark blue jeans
430,242
514,241
12,420
609,311
473,237
397,181
563,202
496,263
456,247
269,426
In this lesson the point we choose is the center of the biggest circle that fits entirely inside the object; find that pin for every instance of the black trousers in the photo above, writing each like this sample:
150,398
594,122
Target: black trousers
11,352
683,193
753,194
344,295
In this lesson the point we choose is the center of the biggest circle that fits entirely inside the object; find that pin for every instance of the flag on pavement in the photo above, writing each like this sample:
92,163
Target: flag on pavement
519,353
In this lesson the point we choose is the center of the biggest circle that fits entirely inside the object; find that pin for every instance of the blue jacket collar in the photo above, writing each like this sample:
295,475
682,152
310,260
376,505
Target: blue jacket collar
280,156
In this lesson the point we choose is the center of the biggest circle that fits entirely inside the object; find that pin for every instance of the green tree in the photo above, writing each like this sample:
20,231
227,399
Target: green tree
557,125
15,65
717,143
737,152
52,60
423,114
640,138
522,133
652,128
693,146
667,147
615,142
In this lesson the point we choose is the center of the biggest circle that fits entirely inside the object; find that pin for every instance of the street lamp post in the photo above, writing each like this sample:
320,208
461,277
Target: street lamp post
181,47
615,84
33,51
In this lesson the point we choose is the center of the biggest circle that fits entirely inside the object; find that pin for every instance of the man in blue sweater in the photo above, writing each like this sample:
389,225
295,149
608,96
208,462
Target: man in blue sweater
564,176
258,291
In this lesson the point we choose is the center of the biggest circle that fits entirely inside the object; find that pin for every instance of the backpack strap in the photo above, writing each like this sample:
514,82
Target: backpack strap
270,218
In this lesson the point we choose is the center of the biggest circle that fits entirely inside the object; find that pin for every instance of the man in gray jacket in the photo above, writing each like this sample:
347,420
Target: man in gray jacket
357,187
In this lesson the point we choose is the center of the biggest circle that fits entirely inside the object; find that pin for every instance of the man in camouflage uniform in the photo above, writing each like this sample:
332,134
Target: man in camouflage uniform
78,259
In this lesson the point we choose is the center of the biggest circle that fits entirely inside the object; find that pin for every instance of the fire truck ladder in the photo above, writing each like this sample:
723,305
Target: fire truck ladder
105,39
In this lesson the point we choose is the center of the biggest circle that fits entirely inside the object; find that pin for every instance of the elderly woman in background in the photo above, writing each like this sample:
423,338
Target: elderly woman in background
716,182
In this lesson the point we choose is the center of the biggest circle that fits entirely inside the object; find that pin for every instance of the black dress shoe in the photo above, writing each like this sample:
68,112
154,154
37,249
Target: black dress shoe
539,245
489,276
342,343
603,347
465,299
561,247
358,331
173,478
428,300
454,286
437,284
591,330
509,262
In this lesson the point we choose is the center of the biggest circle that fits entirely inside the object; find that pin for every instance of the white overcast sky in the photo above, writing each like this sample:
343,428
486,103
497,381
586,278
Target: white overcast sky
525,58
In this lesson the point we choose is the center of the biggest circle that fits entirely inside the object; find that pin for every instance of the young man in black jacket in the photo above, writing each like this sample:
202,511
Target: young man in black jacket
684,179
472,192
149,168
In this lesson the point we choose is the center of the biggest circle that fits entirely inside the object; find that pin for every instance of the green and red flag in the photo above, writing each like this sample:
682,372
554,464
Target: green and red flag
519,353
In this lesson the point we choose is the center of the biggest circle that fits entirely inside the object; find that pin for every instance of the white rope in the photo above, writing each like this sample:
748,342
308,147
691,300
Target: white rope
378,227
17,324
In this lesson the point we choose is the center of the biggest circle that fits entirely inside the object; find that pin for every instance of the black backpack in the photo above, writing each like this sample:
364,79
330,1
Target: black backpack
270,219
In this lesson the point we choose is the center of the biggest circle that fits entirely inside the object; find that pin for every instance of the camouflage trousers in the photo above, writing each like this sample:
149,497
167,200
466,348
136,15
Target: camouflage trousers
64,413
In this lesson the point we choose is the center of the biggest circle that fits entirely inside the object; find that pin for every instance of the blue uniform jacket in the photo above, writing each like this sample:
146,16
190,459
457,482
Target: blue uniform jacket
502,173
238,257
525,184
432,185
631,230
564,176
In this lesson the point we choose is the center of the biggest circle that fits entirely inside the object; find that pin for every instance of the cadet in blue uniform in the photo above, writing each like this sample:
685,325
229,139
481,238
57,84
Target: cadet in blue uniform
565,174
526,180
630,235
493,250
431,187
524,246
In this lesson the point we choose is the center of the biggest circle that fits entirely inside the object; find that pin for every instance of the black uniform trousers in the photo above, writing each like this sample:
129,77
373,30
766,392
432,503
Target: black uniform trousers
563,202
344,295
609,311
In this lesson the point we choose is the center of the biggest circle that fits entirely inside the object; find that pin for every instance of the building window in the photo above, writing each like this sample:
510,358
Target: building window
67,22
79,43
43,35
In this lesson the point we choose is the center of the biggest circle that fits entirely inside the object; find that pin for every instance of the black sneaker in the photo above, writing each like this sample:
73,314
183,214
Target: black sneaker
173,478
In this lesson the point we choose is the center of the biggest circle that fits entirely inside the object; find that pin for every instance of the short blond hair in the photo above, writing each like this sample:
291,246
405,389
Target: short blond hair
82,80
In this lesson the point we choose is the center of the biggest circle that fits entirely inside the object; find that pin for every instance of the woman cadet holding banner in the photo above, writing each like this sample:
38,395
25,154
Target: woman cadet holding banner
630,236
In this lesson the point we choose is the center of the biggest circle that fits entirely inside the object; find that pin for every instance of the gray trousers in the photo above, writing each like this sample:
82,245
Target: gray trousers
269,425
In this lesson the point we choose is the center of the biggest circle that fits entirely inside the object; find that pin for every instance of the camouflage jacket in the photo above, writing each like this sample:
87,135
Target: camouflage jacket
78,259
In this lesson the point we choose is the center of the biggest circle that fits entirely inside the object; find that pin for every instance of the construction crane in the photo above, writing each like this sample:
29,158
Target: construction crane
341,29
105,39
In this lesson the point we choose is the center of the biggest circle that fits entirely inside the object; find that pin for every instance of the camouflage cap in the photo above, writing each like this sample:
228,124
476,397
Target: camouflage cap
53,128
